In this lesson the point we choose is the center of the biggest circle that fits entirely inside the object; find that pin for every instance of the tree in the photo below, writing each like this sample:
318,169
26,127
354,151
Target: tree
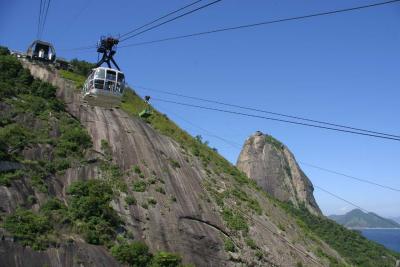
135,254
4,51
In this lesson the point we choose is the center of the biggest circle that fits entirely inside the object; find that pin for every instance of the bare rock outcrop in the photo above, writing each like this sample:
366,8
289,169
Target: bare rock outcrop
274,168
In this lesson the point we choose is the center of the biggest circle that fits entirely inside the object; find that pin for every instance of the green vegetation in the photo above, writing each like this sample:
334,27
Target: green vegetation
89,208
139,186
274,142
73,140
160,190
252,203
14,79
13,137
234,221
175,164
82,67
351,245
31,200
113,176
135,254
136,169
259,254
105,147
165,259
281,227
37,229
152,201
111,173
4,51
32,116
250,242
229,245
77,79
29,228
334,262
130,200
7,177
81,70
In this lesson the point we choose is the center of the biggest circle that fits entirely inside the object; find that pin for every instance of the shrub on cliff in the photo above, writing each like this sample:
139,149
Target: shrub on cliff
134,254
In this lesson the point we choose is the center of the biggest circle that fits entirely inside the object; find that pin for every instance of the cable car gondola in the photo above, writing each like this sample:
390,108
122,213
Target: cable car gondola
105,85
42,51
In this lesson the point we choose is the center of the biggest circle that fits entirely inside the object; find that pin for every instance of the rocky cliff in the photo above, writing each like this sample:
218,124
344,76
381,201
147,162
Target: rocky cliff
274,168
193,202
171,192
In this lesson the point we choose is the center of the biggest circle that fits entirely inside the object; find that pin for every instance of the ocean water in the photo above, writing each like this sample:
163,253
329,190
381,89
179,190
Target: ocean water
390,238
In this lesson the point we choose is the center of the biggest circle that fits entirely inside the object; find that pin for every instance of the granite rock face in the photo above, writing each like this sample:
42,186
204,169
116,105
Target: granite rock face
186,219
274,168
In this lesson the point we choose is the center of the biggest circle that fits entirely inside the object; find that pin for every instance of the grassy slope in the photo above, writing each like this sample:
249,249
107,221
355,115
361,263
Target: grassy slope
79,80
351,245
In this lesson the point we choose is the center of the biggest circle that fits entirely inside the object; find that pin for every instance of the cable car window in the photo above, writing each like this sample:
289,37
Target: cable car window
110,86
99,84
121,77
100,74
111,75
121,89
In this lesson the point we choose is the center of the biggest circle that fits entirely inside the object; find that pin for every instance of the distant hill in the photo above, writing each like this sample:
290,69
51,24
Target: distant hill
359,219
396,219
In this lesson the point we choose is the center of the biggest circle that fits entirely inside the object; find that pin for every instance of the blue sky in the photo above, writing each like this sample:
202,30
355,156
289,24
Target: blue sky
341,68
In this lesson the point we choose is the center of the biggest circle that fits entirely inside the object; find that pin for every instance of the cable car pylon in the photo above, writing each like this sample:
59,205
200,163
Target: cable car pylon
106,47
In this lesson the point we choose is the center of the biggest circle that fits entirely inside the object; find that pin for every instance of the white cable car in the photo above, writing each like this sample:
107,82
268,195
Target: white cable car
104,87
40,50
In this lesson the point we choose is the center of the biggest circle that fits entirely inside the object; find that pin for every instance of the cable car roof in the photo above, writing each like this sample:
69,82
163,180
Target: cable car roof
42,42
105,68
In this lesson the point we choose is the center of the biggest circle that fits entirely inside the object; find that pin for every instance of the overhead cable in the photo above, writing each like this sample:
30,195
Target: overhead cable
39,19
252,25
172,19
349,176
261,23
43,22
160,18
267,112
276,119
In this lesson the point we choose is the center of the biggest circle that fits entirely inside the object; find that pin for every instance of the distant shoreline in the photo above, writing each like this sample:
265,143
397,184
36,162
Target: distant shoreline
374,228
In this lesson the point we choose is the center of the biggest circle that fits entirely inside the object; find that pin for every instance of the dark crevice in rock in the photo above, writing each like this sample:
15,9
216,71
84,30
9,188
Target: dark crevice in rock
206,223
